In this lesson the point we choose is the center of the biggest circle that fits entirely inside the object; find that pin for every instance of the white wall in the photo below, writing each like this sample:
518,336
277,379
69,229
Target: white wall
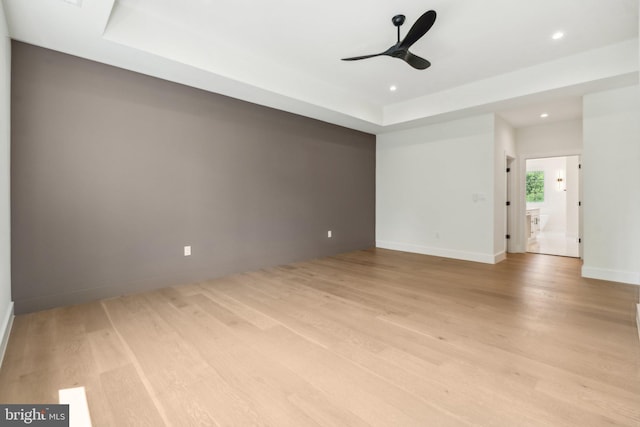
550,140
611,177
434,189
638,306
505,146
6,306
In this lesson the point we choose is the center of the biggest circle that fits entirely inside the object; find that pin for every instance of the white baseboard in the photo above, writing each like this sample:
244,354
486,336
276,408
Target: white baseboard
499,257
7,323
445,253
631,277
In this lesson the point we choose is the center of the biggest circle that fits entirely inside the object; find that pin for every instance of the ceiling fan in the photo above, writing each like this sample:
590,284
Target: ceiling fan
401,48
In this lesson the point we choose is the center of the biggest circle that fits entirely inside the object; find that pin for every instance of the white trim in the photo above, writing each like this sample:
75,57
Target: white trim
551,154
499,257
638,319
76,398
445,253
631,277
7,323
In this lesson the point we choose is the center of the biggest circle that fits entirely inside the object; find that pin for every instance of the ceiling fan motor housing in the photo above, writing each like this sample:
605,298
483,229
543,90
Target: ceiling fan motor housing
398,20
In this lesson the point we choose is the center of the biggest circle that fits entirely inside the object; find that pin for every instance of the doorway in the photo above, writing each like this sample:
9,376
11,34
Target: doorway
552,206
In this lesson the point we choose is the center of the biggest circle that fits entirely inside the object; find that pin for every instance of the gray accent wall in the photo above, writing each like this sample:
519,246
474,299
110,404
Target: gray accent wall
114,172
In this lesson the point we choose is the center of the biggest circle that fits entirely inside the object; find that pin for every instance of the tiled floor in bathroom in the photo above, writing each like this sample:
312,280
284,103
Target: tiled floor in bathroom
555,244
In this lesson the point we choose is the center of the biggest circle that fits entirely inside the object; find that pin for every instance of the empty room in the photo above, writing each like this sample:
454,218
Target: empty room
220,213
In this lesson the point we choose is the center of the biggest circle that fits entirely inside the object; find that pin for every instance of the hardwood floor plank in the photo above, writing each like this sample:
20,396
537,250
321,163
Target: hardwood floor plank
130,404
243,373
107,350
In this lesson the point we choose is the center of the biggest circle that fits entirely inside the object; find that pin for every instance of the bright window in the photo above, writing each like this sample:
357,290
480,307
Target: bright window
535,186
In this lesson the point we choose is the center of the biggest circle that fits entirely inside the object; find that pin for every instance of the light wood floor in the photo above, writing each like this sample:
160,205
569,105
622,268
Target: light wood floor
372,337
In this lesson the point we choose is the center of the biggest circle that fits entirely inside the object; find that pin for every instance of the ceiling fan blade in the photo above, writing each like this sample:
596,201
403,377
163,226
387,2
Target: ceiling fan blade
355,58
419,29
416,62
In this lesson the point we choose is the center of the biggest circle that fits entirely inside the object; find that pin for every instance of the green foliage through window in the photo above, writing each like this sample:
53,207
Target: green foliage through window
535,186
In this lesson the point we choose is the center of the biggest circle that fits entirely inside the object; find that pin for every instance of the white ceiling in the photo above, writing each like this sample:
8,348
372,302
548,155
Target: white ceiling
556,110
487,56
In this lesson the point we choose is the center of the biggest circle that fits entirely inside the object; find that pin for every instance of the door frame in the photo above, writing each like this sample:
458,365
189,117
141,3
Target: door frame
520,244
511,209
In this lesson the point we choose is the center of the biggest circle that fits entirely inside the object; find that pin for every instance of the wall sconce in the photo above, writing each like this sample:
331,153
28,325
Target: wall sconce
560,181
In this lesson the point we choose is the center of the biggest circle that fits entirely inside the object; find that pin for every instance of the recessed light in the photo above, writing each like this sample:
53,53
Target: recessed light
74,2
557,35
544,115
393,88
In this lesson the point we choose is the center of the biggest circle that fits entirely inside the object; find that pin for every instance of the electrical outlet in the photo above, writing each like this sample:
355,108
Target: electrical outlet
329,234
187,250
